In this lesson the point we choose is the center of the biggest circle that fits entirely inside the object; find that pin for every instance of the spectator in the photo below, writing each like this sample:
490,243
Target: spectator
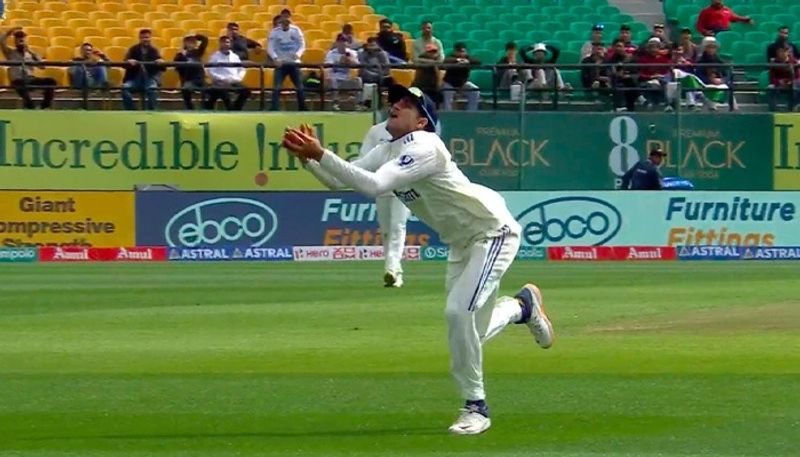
510,76
22,78
347,33
645,174
780,42
623,81
683,72
784,78
192,76
543,78
89,75
240,44
653,78
716,76
226,79
687,45
376,69
286,47
457,79
717,18
392,42
596,78
427,78
143,72
597,37
338,78
424,43
660,32
286,13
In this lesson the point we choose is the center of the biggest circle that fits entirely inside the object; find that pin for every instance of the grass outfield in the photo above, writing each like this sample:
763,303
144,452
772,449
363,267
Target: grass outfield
669,359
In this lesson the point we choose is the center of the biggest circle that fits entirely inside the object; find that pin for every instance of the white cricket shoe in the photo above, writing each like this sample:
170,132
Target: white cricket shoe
533,305
470,422
391,279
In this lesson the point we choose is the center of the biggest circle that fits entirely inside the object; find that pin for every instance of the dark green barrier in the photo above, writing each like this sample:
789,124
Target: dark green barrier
590,151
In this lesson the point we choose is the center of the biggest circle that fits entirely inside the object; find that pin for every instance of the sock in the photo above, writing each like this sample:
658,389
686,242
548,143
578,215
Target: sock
479,405
527,310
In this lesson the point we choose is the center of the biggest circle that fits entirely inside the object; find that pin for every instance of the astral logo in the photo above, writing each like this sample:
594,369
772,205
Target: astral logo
577,221
222,221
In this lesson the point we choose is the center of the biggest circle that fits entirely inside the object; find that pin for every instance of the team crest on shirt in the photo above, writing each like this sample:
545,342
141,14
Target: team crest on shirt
405,160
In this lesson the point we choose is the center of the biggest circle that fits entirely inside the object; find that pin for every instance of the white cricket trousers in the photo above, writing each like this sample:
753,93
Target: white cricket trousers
392,217
474,315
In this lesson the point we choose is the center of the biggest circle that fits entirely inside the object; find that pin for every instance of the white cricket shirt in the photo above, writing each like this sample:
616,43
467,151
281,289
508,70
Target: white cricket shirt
420,171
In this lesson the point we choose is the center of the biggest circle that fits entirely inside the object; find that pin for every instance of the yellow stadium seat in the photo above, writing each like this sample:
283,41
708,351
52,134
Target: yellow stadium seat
75,23
112,7
250,10
352,2
113,1
153,16
404,77
334,9
239,4
138,7
144,2
222,9
213,3
45,14
264,18
134,25
194,9
159,42
97,41
172,32
168,8
252,78
123,16
98,15
347,18
124,41
115,53
112,32
159,25
163,2
373,19
321,43
170,80
58,31
115,75
315,34
20,23
189,2
38,40
326,2
237,16
106,23
304,25
176,42
35,30
81,32
332,27
66,41
62,53
275,9
192,24
26,6
306,9
360,26
207,16
57,73
316,18
182,16
314,56
168,53
51,5
219,24
83,7
361,10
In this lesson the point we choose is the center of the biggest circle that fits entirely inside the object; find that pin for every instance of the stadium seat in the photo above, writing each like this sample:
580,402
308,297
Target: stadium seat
65,41
60,53
112,32
116,53
314,56
134,25
168,8
38,40
153,16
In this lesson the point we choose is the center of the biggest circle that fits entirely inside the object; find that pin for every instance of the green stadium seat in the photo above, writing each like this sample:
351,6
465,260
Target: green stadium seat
757,37
508,18
594,18
465,27
487,56
511,35
568,56
583,29
741,49
481,35
524,10
580,10
550,27
566,18
482,78
772,9
794,11
754,58
552,10
608,10
565,36
726,39
471,10
444,10
483,18
456,18
771,27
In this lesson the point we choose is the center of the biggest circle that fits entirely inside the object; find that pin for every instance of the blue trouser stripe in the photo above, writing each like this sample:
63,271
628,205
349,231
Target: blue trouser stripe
494,253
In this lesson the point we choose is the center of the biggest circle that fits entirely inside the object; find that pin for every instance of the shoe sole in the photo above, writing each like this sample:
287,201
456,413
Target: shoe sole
388,280
541,312
460,431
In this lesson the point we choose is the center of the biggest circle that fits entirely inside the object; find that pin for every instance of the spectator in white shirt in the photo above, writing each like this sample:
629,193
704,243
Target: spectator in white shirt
339,78
225,80
286,46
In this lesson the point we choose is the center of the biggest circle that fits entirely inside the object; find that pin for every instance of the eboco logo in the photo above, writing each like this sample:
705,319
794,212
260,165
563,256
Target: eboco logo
583,221
222,221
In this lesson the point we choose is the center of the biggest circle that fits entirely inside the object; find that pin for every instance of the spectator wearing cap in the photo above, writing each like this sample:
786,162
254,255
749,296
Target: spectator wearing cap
456,79
240,44
508,76
226,79
597,37
286,46
688,46
652,77
192,74
376,69
712,75
717,18
22,78
782,41
660,32
593,77
89,75
392,42
784,78
426,77
645,175
627,39
347,33
543,78
425,43
339,78
143,73
623,81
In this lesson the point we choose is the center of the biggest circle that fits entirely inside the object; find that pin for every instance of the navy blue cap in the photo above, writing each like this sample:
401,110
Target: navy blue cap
425,105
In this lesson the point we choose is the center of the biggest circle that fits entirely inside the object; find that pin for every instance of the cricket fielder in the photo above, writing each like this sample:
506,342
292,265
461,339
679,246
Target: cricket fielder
474,220
392,214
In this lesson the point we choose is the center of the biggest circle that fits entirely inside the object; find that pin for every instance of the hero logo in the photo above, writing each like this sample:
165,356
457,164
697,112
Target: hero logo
584,221
222,221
